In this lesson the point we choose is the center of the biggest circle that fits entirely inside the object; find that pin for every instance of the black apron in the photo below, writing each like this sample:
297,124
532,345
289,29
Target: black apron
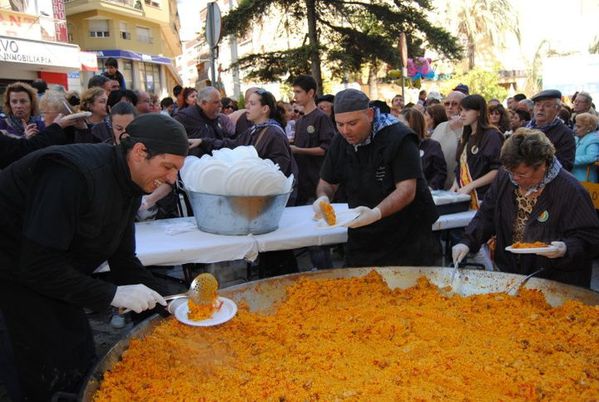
404,238
48,343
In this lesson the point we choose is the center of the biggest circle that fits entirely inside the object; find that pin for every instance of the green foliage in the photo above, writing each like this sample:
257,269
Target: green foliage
276,66
479,81
351,34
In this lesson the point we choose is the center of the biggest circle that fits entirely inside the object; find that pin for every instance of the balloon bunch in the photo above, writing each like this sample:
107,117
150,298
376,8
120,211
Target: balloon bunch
420,68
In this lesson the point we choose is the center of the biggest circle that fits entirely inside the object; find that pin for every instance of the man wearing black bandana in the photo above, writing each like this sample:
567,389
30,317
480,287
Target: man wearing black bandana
377,158
65,211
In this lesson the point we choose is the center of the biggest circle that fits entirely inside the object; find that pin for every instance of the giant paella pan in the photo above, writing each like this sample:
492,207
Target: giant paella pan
394,333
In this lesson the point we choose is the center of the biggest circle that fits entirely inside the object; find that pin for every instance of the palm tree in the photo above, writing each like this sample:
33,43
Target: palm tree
484,22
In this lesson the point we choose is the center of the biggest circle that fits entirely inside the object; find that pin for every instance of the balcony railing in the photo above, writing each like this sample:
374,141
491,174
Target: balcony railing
136,4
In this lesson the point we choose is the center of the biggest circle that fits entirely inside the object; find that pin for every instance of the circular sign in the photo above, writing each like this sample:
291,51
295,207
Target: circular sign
213,25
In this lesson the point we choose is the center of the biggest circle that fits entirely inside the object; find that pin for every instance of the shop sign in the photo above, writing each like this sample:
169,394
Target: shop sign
19,25
42,53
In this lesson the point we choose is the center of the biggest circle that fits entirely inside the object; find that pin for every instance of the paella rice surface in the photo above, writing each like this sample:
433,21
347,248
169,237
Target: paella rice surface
355,339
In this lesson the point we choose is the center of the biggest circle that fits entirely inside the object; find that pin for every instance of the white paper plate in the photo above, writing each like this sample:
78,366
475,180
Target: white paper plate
226,312
343,218
80,115
530,250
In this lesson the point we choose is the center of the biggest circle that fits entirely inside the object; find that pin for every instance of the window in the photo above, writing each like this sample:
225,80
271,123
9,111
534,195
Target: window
154,3
126,68
125,34
144,35
98,29
150,77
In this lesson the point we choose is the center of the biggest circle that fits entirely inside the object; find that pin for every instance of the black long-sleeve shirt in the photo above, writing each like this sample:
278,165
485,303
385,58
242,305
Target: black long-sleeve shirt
12,149
61,224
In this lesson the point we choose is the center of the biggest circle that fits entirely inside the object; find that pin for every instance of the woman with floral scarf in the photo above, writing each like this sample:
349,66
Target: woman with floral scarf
534,199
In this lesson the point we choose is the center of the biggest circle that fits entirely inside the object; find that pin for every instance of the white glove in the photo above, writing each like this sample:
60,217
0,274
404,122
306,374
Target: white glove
316,206
560,250
136,297
458,252
366,217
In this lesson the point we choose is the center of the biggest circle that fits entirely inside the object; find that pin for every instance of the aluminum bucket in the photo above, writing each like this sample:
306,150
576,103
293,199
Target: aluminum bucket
237,215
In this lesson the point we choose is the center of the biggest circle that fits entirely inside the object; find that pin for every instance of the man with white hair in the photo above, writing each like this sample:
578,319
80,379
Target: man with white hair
583,103
547,104
204,121
448,133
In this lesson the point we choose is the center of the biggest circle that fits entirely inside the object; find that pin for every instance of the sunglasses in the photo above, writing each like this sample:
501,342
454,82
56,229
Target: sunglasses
451,103
298,112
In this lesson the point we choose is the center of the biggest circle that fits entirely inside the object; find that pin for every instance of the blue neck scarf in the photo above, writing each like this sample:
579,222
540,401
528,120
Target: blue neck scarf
379,122
550,174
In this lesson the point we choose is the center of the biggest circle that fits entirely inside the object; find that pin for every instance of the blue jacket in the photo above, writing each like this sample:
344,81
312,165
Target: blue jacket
587,153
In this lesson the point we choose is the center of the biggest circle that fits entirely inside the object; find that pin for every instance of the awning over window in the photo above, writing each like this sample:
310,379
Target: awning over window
131,55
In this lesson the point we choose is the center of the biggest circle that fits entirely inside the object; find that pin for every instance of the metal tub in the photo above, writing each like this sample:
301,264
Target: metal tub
261,296
237,215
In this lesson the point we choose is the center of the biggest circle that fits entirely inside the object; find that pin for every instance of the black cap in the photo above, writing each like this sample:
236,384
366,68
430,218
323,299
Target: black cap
161,133
463,88
350,100
325,98
547,94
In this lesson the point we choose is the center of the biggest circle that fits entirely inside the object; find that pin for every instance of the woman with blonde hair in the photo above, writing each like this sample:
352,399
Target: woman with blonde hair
587,147
93,100
51,104
20,106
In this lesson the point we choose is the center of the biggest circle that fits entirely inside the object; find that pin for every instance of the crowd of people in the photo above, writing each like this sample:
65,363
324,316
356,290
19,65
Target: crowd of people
69,208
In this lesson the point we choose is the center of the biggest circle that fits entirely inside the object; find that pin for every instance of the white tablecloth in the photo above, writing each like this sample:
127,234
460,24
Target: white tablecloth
179,241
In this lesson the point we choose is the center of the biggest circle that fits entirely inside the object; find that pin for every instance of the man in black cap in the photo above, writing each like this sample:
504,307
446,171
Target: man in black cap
547,104
65,210
377,158
463,88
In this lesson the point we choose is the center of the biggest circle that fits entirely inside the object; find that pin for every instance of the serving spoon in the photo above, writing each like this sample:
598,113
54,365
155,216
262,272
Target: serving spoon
201,291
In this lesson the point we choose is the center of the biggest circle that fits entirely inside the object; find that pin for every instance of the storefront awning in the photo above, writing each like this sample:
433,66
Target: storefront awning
131,55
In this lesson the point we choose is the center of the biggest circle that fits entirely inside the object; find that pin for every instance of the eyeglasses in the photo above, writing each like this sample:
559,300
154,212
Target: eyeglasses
450,103
298,112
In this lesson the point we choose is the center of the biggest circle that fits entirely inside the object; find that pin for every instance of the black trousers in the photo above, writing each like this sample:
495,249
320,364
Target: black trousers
47,344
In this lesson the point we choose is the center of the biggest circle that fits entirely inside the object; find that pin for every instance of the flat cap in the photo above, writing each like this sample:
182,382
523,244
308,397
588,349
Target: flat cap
547,94
325,98
463,88
350,100
161,133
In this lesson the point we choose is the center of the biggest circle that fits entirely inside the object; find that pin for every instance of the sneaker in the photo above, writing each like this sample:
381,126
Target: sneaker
117,321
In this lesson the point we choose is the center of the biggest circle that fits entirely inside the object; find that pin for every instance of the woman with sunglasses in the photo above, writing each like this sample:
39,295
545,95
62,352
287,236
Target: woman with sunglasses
478,150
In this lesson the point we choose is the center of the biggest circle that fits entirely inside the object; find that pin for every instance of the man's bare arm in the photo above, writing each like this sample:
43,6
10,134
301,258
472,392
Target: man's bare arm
403,195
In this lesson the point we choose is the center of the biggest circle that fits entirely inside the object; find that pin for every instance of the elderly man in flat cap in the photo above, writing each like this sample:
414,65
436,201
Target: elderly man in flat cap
66,209
547,104
377,159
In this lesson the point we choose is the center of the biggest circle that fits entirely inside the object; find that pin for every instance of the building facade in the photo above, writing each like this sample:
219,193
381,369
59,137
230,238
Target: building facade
34,43
143,35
